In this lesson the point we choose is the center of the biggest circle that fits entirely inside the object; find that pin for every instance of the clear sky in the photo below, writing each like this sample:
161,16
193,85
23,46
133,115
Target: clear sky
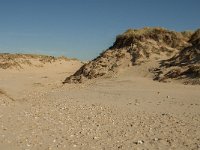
84,28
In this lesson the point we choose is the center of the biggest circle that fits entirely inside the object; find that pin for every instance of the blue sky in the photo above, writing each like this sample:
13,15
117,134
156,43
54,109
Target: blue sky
84,28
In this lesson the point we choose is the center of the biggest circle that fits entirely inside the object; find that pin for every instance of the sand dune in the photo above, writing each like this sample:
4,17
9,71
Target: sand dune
118,105
29,72
136,47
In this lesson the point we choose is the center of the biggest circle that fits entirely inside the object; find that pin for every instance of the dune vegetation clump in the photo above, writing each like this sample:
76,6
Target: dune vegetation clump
8,61
160,35
187,61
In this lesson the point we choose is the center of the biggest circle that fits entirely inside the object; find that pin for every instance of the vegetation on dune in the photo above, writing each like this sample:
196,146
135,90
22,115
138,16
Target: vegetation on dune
17,60
185,64
195,38
136,46
161,35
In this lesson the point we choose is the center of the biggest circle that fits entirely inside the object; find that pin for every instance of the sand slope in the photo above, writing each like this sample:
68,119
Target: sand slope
40,72
129,111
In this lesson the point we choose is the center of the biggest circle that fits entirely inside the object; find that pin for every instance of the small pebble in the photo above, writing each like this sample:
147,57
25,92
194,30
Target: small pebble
140,142
155,139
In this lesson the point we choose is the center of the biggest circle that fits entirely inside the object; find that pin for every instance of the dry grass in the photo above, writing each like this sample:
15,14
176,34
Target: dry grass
18,60
131,36
195,38
186,62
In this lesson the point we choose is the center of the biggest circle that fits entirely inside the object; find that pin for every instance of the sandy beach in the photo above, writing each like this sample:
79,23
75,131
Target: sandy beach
99,75
125,112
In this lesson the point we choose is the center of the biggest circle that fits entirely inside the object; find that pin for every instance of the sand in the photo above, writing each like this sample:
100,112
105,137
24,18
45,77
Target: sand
129,111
